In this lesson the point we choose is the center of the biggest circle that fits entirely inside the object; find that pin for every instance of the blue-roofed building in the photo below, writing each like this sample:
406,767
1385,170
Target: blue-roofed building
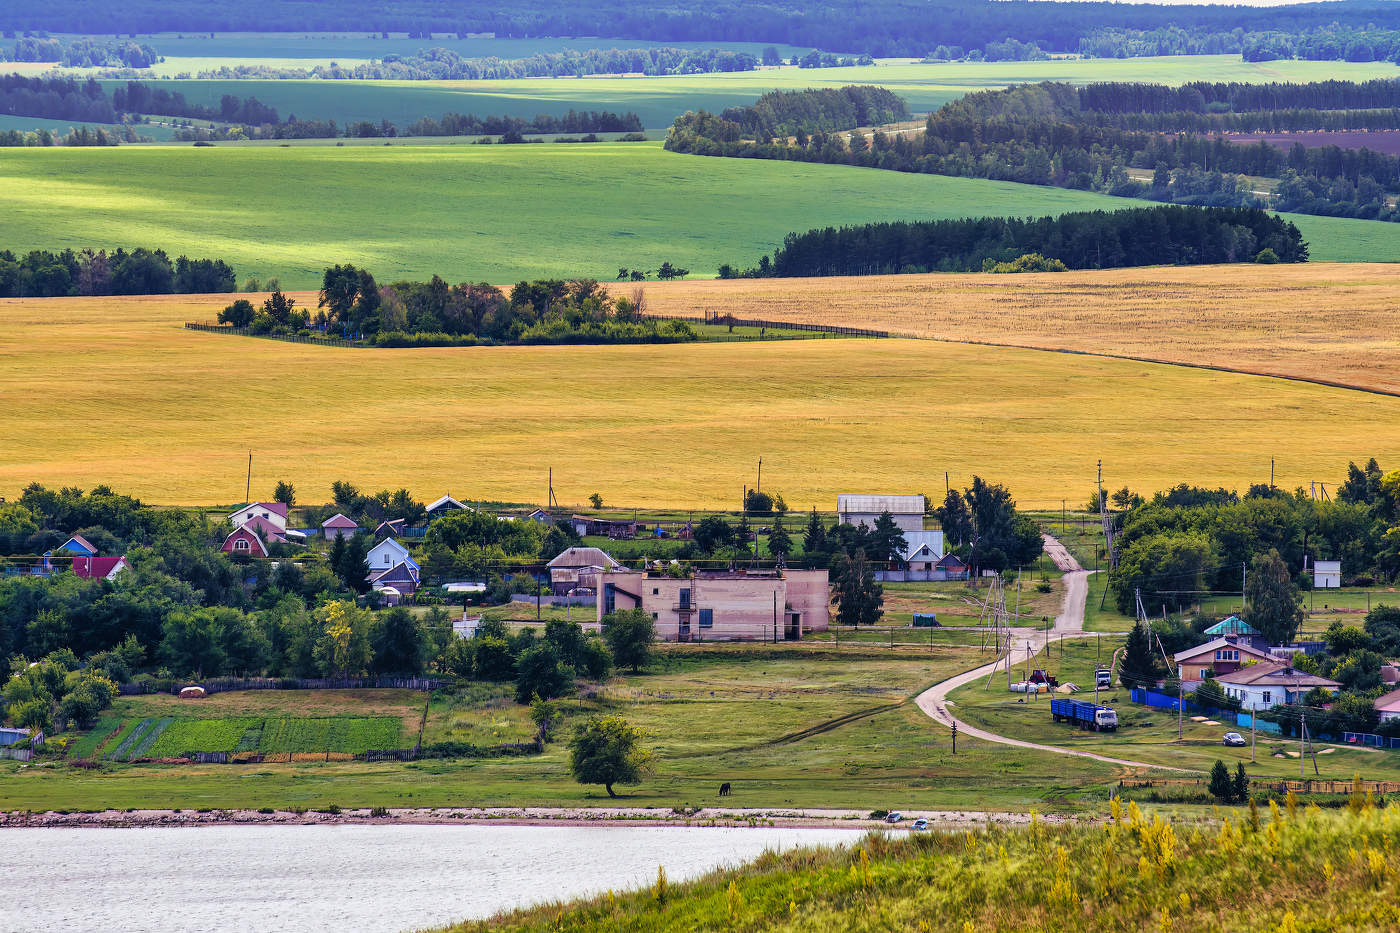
1238,630
79,545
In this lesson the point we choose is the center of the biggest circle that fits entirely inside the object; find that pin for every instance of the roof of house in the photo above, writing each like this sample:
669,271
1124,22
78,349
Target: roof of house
443,502
915,541
1211,647
952,560
403,572
248,532
1274,674
1327,566
604,521
339,521
393,526
1232,625
264,529
1389,703
585,557
83,543
276,508
98,568
875,504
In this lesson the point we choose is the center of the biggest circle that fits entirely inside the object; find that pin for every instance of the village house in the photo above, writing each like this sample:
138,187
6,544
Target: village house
402,578
78,545
1388,706
1237,629
578,568
386,554
1327,574
99,568
1216,657
733,605
922,559
275,513
390,528
444,505
338,526
1266,685
907,511
609,527
244,542
540,516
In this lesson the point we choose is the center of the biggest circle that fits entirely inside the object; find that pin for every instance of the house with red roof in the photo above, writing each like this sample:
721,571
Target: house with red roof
245,542
338,526
272,512
90,567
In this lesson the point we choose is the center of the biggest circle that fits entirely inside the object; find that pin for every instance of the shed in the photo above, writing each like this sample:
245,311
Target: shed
1327,574
10,736
338,526
925,620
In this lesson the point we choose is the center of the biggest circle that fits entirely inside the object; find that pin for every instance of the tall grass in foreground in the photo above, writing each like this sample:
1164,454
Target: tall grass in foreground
1285,869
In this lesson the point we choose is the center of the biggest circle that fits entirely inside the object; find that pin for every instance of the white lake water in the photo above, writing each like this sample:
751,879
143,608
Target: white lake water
368,879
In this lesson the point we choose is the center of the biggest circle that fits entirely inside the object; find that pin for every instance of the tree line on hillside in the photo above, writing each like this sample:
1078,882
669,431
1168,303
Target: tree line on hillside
1328,42
882,28
141,271
82,53
1040,134
1127,97
352,305
1083,240
786,113
439,64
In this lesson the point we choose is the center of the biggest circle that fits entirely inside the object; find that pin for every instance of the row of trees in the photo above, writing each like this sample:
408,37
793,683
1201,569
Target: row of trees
780,114
439,64
1083,240
351,304
142,271
1189,539
82,53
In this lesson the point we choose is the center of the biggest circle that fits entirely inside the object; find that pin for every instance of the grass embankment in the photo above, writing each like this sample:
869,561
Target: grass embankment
789,725
1316,321
176,428
1144,733
1286,871
659,100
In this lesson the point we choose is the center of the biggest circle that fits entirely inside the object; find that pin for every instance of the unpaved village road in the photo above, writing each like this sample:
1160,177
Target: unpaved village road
1070,621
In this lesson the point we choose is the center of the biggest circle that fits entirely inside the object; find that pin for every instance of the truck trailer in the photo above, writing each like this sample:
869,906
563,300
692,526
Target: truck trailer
1084,715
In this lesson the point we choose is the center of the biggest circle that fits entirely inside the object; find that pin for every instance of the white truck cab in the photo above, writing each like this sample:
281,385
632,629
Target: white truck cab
1105,719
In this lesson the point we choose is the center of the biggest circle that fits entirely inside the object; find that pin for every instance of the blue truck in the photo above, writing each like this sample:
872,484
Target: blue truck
1084,715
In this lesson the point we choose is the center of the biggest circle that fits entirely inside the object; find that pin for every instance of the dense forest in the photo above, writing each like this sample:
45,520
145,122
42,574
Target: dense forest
1084,240
82,53
1056,134
58,98
407,314
141,271
882,28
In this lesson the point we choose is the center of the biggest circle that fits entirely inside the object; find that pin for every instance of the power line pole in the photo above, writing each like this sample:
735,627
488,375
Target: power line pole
248,489
1302,731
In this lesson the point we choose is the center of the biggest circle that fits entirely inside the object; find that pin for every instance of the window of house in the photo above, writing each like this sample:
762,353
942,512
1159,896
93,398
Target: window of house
240,545
707,618
654,617
655,591
1268,697
685,599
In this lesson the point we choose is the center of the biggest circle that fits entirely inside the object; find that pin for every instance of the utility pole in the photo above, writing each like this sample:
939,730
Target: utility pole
955,736
1244,584
248,489
1253,715
1302,731
760,474
1271,474
1180,708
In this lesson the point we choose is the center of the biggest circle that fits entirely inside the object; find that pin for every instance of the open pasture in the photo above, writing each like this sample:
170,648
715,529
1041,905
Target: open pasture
1330,322
498,213
115,391
659,100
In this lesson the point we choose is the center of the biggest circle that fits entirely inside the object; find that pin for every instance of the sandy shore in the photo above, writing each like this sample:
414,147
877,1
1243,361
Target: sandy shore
521,816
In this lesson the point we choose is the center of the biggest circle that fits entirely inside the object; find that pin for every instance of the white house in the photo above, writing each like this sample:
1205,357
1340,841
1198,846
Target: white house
1388,706
1268,684
1327,574
386,554
923,550
274,513
908,511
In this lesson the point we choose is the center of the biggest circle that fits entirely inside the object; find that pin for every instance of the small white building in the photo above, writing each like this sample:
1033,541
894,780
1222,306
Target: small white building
385,555
1327,574
907,511
1268,684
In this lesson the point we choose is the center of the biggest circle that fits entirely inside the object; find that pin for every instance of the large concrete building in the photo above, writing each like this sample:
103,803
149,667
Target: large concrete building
908,511
733,605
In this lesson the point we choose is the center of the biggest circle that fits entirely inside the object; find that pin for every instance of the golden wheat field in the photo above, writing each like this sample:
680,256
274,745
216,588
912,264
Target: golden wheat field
1332,322
115,391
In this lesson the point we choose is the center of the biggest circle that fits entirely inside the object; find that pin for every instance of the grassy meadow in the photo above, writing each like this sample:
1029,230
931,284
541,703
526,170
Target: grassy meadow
1330,322
659,100
498,213
790,725
170,415
1242,872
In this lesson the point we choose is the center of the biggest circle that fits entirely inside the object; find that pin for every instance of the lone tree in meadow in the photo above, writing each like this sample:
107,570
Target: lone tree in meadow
607,751
630,635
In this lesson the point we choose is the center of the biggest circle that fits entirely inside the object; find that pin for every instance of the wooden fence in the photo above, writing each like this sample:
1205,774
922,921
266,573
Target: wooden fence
16,754
1280,787
720,319
228,684
289,338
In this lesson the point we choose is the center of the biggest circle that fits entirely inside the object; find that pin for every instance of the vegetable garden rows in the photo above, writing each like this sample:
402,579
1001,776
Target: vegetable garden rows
133,739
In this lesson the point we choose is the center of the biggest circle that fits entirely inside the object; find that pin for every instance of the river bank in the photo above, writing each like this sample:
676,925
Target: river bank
737,817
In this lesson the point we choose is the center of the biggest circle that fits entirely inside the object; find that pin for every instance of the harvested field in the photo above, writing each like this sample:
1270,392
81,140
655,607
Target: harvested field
170,414
1329,322
1387,141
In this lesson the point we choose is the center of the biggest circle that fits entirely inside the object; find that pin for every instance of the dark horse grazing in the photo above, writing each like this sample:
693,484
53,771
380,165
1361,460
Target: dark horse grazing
724,789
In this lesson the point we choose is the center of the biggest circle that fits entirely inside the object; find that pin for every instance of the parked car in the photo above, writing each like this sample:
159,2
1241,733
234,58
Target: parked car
894,817
1234,739
919,824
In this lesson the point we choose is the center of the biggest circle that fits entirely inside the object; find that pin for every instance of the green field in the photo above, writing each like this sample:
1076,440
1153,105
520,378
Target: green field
497,213
659,100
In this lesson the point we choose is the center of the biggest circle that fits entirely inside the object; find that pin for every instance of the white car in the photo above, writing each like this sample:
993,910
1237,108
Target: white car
1233,739
894,817
919,824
